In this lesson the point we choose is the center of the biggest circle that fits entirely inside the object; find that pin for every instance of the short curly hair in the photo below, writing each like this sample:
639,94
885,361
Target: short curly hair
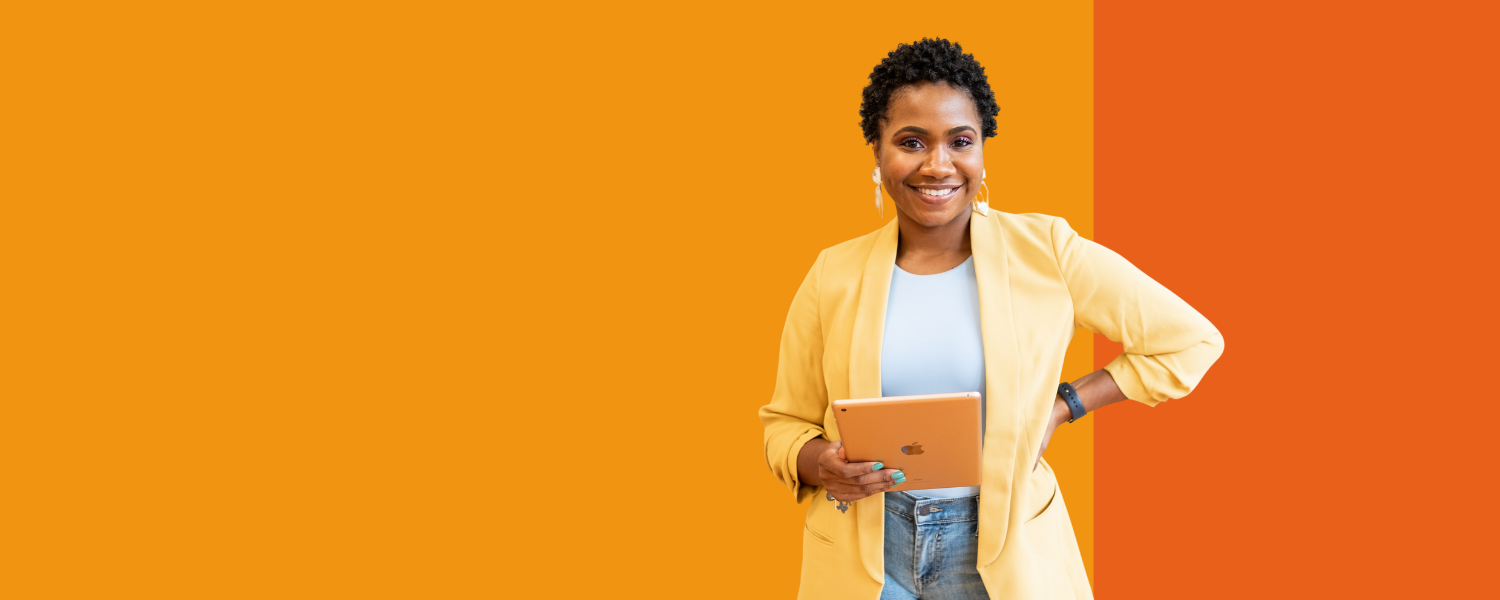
934,60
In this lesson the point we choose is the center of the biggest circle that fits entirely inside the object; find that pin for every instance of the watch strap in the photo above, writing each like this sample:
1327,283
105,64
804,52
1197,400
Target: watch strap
1070,395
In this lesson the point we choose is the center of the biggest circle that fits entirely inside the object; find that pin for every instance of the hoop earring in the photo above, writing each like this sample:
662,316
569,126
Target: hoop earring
983,206
878,204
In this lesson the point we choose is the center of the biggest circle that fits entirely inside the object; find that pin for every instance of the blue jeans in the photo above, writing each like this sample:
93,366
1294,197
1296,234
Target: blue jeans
931,548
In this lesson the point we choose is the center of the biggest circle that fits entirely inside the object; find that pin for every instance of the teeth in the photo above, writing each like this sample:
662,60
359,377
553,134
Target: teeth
937,192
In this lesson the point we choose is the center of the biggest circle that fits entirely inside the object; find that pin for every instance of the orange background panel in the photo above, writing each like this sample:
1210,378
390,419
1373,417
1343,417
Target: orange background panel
446,300
1318,180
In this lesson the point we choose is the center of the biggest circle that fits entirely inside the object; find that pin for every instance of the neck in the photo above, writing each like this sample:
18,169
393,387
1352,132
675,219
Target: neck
920,241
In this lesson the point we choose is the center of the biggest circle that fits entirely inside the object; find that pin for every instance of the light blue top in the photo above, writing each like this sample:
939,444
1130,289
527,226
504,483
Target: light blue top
932,343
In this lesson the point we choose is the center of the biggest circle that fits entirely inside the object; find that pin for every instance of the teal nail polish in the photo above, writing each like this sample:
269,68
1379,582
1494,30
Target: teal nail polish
879,466
899,478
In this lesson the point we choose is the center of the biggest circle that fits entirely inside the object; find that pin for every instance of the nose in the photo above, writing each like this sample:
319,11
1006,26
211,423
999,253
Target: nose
939,164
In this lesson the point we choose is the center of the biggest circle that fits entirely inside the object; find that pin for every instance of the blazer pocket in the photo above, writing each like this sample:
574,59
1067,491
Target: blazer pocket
819,516
1058,567
1043,492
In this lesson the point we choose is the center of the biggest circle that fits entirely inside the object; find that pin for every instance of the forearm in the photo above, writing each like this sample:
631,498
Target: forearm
807,461
1095,390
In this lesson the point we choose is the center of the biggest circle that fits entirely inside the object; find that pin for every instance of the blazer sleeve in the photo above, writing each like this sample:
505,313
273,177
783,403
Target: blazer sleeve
795,414
1168,345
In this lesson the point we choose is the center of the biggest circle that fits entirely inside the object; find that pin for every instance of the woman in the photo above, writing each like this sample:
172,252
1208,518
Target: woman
952,296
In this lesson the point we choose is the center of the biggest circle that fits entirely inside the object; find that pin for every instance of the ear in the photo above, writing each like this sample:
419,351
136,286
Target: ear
875,147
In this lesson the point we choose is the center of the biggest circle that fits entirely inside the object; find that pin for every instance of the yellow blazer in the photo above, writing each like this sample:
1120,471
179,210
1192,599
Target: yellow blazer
1038,281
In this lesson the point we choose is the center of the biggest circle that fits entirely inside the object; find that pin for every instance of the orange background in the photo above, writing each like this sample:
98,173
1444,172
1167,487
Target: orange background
286,285
1318,179
449,301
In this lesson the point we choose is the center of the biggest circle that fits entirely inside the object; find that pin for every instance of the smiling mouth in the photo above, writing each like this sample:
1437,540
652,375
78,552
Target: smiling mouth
936,195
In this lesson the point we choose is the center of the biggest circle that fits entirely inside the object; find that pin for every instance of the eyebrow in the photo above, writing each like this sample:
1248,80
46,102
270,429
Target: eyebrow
915,129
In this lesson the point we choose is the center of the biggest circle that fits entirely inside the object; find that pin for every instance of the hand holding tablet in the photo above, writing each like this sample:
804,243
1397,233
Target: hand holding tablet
935,440
849,481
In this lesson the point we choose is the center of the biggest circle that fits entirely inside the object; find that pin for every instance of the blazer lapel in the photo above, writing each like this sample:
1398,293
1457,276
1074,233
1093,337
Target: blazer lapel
996,326
864,380
1003,435
1002,371
869,320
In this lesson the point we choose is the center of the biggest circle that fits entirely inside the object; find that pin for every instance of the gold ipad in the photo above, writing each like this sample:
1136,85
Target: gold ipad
934,439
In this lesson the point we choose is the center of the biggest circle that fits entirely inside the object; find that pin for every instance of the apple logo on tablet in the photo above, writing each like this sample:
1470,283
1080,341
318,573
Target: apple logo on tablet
914,449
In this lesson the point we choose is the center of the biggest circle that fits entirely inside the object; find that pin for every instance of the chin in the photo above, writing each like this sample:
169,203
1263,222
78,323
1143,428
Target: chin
930,216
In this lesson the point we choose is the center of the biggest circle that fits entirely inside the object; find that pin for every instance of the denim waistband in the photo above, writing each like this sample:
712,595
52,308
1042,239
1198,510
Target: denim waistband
932,510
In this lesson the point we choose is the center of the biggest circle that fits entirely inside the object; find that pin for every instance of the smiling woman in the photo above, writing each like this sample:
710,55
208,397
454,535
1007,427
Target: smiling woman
951,296
931,163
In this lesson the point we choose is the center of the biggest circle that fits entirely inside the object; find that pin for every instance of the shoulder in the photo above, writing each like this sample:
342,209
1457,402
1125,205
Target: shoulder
860,245
1026,223
1034,230
849,257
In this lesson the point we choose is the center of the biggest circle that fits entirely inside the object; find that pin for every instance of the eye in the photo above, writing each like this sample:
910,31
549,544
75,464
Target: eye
912,143
962,142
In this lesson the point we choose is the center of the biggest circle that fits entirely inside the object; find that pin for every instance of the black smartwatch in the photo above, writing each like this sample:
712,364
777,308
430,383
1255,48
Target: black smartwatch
1070,396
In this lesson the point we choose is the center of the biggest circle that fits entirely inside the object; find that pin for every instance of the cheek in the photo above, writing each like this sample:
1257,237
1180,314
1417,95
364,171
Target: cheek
973,167
895,174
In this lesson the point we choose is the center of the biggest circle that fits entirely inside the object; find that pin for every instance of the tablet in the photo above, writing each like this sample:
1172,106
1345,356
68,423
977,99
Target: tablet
934,439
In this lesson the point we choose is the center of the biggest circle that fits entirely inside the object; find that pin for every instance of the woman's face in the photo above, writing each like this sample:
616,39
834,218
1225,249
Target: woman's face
930,152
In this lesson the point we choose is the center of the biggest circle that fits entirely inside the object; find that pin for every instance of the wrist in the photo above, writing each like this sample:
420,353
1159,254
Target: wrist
807,461
1072,400
1060,411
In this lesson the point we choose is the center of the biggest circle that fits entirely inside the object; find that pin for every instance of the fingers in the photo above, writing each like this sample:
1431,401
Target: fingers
834,462
864,486
850,481
879,481
854,471
847,470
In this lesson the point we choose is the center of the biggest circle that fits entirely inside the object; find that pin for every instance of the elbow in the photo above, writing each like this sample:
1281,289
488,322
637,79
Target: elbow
783,442
1195,364
1157,378
1216,343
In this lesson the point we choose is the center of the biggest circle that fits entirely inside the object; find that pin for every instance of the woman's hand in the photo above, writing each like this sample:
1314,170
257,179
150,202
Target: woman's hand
1095,391
1060,414
847,481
